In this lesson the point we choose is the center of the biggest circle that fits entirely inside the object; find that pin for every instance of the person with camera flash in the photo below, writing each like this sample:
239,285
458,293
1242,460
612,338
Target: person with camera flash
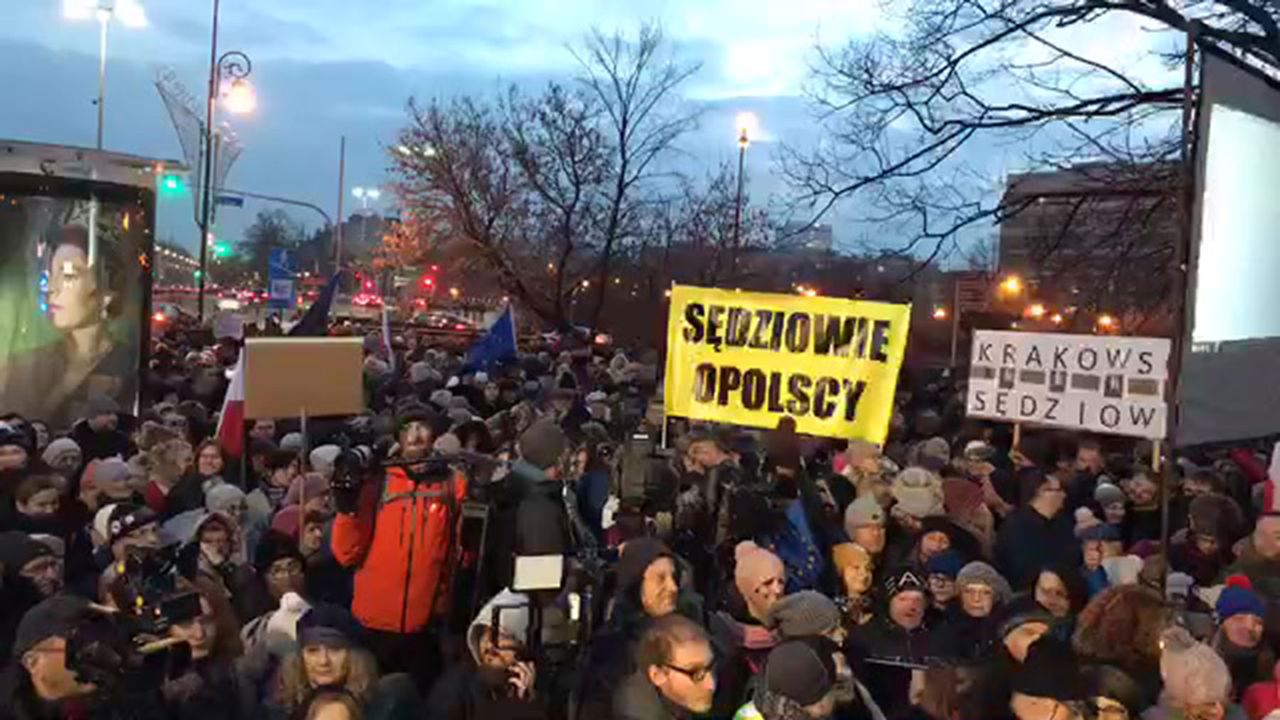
396,526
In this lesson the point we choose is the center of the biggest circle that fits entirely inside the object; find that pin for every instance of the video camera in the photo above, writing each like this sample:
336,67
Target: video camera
127,649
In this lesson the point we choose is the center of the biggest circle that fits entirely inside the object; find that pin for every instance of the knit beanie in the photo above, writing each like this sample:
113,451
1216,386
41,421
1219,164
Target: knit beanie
1085,521
1193,673
863,511
542,444
293,442
324,458
17,549
1018,612
753,565
919,492
107,470
310,486
1216,516
1107,494
1050,671
126,518
513,619
1238,598
800,670
803,614
220,499
60,448
980,573
288,521
275,546
947,563
904,581
848,554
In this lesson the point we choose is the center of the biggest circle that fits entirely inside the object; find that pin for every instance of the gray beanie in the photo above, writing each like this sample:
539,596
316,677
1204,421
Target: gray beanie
59,448
803,614
542,444
980,573
863,511
292,442
1108,494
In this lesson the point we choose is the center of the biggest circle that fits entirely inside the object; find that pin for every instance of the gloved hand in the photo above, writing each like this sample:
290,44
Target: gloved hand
345,487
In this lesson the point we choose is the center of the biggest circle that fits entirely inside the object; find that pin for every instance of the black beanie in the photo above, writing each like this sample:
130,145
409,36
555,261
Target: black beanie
1050,671
52,617
274,546
17,549
800,670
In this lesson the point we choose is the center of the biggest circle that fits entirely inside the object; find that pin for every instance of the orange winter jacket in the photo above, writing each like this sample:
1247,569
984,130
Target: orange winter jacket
399,542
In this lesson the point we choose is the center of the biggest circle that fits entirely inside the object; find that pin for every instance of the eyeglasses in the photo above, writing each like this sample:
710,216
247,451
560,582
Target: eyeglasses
285,568
696,675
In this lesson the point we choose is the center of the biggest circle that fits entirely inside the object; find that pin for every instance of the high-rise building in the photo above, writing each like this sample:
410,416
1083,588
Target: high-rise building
1095,236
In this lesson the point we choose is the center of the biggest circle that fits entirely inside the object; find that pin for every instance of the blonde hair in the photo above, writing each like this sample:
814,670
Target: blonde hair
296,688
334,697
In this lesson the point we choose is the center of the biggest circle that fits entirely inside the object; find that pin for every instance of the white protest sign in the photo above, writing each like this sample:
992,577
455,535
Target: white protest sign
228,325
1111,385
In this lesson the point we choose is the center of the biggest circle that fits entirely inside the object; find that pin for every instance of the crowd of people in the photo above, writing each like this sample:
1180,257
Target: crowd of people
515,541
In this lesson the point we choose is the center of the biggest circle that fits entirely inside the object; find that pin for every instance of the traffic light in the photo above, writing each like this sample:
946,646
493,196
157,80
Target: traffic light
170,184
222,249
428,283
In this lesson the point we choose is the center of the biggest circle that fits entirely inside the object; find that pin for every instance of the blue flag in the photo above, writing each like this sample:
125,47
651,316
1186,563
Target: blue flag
498,344
315,323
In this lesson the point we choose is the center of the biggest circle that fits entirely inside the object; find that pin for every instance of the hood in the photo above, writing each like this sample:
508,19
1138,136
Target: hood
636,557
514,622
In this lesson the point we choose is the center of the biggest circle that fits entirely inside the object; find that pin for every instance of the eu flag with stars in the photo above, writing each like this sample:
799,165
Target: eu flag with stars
496,345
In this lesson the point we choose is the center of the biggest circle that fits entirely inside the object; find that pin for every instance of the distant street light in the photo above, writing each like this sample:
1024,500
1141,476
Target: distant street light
1056,318
748,124
1011,285
426,151
1036,311
939,313
128,12
366,195
1106,322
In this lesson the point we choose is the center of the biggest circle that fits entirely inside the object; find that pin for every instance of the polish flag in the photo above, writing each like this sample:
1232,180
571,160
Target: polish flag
231,421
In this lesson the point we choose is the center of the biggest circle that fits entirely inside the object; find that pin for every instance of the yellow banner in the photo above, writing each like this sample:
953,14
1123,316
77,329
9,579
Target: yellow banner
753,358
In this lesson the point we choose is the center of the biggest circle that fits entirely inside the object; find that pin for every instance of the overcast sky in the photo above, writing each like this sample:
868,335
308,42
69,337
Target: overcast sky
327,68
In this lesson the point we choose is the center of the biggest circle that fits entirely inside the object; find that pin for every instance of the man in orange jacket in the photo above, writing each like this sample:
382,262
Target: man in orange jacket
398,532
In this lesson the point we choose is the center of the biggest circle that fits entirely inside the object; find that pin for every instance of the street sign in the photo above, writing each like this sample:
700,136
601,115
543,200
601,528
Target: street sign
281,290
230,200
973,292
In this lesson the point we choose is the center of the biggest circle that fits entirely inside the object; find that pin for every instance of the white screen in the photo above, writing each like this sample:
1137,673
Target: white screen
1238,280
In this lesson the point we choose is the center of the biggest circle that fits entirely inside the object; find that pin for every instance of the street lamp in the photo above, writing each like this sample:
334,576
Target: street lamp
128,12
1011,285
1036,311
939,313
235,67
747,124
366,195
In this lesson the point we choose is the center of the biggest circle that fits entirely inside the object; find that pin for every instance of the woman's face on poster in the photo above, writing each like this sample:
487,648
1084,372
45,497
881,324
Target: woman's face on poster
73,289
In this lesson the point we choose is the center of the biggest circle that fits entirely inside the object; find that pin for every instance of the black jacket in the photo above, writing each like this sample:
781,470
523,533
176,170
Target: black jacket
1028,541
528,518
99,445
18,701
890,652
462,694
637,699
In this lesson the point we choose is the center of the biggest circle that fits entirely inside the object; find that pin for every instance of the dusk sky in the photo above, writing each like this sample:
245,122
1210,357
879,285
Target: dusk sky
327,68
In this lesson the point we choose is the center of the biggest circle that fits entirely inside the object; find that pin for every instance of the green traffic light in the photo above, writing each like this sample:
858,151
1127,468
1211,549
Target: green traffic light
170,184
221,249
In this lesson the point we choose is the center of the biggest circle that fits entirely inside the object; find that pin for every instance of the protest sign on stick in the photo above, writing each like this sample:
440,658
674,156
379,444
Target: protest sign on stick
1112,385
754,358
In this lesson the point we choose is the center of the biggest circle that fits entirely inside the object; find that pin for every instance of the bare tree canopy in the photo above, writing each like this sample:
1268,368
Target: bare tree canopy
907,111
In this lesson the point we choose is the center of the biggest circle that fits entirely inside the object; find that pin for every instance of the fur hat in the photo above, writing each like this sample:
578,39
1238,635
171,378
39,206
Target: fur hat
1193,673
980,573
919,492
542,444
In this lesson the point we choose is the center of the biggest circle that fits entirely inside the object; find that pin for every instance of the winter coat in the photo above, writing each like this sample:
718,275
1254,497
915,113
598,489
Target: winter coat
1028,541
891,653
742,648
210,691
637,699
100,445
528,518
18,701
462,694
1247,666
1163,712
400,541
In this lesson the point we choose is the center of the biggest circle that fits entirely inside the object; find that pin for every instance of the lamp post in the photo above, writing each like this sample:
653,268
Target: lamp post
365,196
236,67
128,12
747,122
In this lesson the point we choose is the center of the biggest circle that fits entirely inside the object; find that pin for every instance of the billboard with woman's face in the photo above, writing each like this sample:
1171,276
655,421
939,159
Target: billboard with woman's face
75,259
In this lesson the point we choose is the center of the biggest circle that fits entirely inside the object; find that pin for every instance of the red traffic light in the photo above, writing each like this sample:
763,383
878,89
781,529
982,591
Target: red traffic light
428,281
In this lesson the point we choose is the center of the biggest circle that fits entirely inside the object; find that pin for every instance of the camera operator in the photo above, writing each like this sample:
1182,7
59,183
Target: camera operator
498,680
38,685
530,516
397,531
